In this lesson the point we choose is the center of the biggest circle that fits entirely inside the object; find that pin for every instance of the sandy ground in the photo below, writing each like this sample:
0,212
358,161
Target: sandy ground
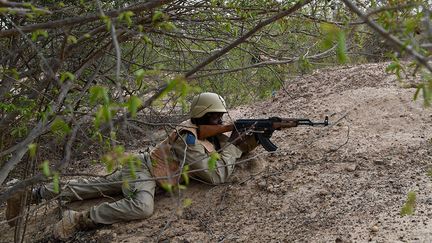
343,183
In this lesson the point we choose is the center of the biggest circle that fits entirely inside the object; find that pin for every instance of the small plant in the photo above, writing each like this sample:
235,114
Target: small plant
429,172
409,206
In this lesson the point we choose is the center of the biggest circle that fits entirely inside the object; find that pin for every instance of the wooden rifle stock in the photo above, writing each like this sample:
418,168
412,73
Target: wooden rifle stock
205,131
285,123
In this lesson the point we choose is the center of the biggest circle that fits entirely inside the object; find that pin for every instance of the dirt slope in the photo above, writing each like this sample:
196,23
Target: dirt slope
343,183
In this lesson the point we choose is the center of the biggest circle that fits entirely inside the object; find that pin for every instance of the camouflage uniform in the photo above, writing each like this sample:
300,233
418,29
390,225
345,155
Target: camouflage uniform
138,201
164,163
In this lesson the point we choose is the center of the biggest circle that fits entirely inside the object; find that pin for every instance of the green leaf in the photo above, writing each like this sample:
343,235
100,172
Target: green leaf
395,67
174,84
185,174
56,183
29,16
411,25
32,149
214,157
19,131
109,161
332,34
126,16
409,206
181,187
187,202
37,33
13,72
137,161
304,64
157,16
98,93
419,88
341,48
228,27
429,172
133,104
132,168
167,26
97,121
46,113
113,136
126,184
392,66
426,96
329,28
139,76
107,21
119,149
60,128
67,75
37,11
45,168
106,111
147,40
71,39
167,186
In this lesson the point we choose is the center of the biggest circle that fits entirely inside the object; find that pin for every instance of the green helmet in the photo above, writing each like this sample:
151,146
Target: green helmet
207,102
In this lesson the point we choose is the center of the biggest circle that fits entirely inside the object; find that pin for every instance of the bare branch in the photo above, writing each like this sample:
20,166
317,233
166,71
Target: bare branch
389,37
226,49
86,19
267,63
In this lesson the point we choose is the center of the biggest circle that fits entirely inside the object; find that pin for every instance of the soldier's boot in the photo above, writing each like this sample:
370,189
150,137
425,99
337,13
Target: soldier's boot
17,202
71,223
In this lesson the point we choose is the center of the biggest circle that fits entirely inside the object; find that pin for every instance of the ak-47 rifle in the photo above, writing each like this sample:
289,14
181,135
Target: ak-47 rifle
262,128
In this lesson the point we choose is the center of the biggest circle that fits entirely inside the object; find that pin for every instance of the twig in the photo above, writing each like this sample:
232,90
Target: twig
252,176
226,49
104,195
118,63
22,8
222,200
340,146
74,192
39,54
21,186
389,37
38,206
324,54
39,129
86,19
68,147
390,8
168,223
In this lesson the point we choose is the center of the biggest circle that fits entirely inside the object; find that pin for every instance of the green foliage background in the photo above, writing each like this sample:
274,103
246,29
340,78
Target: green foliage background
123,59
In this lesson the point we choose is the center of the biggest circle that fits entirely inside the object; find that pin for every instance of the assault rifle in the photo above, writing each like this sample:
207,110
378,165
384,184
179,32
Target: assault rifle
262,128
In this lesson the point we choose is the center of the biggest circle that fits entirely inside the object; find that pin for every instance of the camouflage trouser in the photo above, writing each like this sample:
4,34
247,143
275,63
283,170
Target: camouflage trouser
138,201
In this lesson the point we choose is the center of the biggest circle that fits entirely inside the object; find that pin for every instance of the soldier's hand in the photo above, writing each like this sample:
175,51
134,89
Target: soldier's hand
234,138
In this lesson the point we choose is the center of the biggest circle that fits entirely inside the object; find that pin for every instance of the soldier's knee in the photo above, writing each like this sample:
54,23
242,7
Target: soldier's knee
144,210
143,206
